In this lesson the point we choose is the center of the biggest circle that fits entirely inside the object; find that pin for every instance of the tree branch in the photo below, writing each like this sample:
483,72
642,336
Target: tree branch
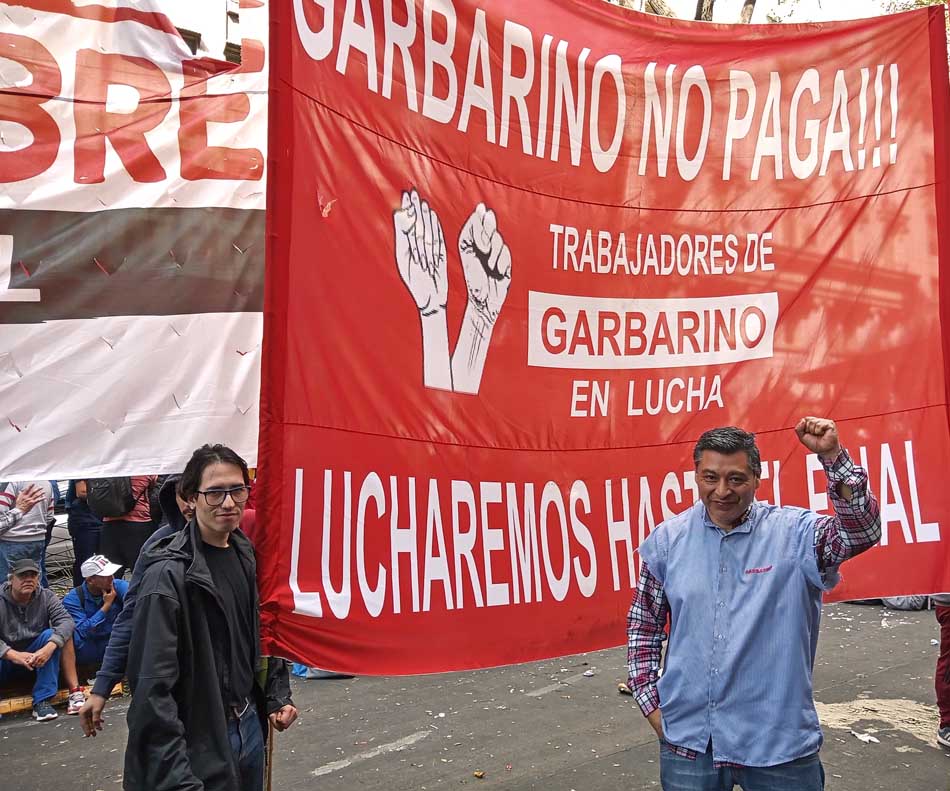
745,16
704,10
658,7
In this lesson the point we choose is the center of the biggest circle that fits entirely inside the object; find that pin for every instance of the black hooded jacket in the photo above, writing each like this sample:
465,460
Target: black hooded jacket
178,735
112,669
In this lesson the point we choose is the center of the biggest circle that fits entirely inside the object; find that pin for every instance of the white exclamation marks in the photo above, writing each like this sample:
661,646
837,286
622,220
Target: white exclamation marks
878,99
893,113
863,107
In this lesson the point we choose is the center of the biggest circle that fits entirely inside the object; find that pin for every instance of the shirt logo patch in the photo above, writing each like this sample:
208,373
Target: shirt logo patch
762,570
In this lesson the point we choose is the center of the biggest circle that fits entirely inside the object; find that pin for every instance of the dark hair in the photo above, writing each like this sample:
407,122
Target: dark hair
203,457
728,440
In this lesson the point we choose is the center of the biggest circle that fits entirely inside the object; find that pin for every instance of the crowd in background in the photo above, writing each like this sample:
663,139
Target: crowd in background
47,639
184,631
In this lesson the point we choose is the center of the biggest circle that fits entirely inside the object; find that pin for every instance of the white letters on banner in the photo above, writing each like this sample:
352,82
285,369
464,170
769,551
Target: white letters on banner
546,537
676,97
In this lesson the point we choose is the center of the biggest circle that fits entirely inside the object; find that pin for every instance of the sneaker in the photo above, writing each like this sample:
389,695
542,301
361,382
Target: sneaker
76,700
43,711
943,736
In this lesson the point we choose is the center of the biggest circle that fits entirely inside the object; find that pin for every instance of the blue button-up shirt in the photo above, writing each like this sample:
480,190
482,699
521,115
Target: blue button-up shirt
745,608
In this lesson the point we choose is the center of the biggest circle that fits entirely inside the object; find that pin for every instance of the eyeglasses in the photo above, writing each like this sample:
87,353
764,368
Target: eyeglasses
215,497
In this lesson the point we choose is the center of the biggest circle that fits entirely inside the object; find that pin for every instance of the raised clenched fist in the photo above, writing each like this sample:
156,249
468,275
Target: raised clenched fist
819,435
420,253
486,263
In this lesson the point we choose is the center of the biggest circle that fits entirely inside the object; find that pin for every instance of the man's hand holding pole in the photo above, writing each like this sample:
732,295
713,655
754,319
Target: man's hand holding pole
284,717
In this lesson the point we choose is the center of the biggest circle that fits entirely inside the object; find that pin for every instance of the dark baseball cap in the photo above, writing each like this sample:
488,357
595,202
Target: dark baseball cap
24,564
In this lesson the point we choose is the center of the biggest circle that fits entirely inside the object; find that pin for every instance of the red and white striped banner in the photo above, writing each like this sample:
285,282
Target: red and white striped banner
132,187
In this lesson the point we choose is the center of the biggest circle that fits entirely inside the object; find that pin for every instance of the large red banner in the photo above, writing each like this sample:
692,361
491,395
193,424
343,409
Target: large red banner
522,255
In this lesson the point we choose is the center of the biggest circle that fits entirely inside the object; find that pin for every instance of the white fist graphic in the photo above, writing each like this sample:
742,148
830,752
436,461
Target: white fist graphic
486,262
422,264
420,253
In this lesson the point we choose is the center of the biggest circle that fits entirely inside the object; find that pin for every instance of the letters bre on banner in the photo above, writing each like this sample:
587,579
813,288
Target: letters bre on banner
522,255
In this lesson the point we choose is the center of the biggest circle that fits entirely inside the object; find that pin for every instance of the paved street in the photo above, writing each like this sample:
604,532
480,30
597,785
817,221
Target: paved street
545,725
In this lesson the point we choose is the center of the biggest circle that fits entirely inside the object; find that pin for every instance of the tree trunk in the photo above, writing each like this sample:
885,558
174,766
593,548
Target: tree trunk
704,10
658,7
745,17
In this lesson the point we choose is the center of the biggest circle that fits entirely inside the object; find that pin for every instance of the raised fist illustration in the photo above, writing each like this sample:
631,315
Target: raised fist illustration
420,253
486,262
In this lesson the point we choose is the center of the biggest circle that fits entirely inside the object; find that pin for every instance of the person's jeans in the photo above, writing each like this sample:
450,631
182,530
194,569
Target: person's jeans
85,545
12,551
682,774
247,744
47,677
942,676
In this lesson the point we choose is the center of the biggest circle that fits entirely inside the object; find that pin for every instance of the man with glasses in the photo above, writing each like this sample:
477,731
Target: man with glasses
199,702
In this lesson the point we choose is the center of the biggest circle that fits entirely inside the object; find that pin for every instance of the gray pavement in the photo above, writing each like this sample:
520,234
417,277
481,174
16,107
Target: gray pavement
544,725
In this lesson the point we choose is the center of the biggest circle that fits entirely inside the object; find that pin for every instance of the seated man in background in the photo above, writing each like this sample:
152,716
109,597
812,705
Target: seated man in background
94,606
35,631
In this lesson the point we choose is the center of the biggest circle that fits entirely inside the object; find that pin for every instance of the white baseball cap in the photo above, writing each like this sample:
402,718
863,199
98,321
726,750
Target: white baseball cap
98,565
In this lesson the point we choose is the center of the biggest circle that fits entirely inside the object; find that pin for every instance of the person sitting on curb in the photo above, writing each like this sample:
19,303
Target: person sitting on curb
35,632
94,606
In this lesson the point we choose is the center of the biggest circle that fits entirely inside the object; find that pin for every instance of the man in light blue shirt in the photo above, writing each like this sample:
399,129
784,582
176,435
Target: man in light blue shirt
741,582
